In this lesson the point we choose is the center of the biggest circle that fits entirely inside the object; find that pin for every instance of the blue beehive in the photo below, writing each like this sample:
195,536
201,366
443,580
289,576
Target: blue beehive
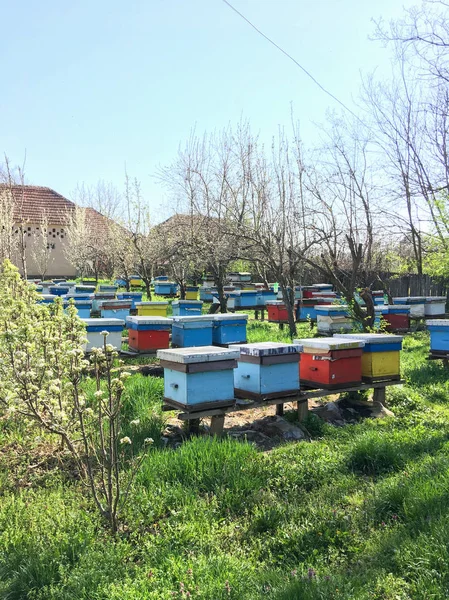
79,296
107,288
160,278
184,308
248,298
229,328
206,294
59,290
192,331
199,377
435,306
115,309
95,329
264,296
82,306
305,312
46,298
267,370
439,335
84,289
133,296
165,288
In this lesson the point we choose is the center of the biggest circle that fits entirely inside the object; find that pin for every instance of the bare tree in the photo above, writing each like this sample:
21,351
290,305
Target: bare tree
41,249
103,197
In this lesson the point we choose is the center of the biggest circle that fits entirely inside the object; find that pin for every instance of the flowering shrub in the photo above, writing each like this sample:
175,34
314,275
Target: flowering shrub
42,366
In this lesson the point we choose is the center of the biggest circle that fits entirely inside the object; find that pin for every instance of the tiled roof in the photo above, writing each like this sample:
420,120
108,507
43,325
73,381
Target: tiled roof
33,203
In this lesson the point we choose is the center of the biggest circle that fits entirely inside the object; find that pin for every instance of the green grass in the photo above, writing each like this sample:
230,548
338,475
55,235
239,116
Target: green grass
361,513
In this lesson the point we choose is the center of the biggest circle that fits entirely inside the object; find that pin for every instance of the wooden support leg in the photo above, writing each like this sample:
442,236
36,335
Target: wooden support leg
262,315
256,315
217,425
281,326
303,409
446,363
379,395
280,410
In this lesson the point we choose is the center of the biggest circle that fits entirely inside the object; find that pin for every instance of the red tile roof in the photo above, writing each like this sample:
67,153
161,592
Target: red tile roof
33,203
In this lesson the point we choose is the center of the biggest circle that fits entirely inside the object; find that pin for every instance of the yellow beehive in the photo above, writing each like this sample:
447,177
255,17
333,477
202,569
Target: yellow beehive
381,364
192,293
381,355
152,309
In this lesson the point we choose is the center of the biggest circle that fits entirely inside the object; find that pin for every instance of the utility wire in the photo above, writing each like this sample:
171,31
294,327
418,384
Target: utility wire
292,59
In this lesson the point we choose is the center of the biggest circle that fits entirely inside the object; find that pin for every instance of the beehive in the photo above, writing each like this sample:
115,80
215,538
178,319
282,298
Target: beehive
185,308
46,298
107,288
82,306
95,327
199,377
435,306
267,370
116,309
152,309
192,292
381,355
395,316
84,289
306,309
147,334
133,296
439,335
416,303
333,318
165,288
206,293
331,363
277,312
59,290
192,331
229,328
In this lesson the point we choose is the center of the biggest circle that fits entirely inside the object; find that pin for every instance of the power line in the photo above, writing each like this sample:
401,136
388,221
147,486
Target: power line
292,59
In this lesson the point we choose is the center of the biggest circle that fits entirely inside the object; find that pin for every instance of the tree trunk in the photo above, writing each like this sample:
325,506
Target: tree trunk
221,295
289,301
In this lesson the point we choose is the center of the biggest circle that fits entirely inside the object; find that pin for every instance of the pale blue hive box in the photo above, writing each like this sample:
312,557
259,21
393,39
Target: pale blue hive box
306,312
435,306
375,342
229,328
133,296
206,293
439,334
115,309
165,288
107,288
192,331
184,308
332,318
267,370
82,306
198,377
264,296
80,296
46,298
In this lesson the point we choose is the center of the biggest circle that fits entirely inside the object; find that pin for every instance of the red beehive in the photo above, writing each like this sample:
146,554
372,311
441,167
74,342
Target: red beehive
147,334
331,363
277,312
396,317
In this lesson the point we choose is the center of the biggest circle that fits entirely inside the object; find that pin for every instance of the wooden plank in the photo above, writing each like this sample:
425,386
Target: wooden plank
203,367
280,410
379,395
262,397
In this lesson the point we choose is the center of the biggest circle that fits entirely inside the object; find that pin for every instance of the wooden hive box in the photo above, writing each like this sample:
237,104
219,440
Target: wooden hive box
332,318
277,312
439,335
133,296
416,303
82,306
95,327
396,316
331,363
199,378
147,334
434,306
184,308
381,358
267,370
192,292
115,309
192,331
229,328
152,309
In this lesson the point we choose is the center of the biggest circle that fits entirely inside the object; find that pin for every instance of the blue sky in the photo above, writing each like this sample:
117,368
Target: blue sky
91,85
